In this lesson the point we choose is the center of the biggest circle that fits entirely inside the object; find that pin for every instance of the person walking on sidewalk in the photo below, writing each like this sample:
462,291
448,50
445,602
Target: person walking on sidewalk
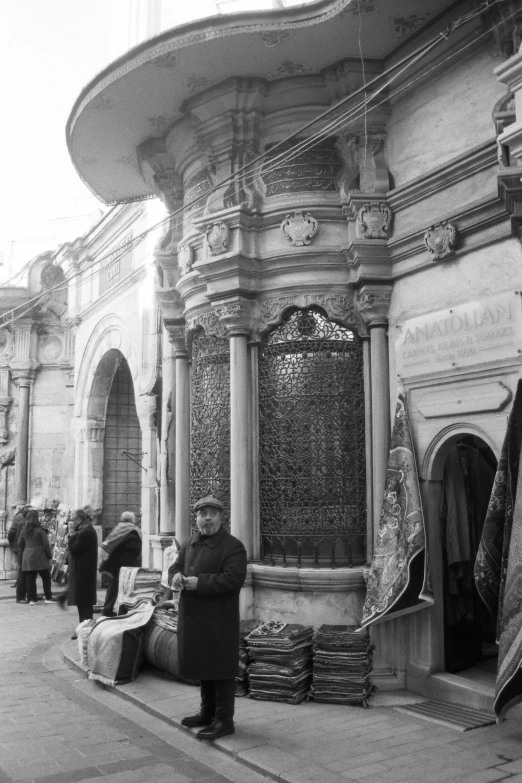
36,557
210,571
82,565
122,547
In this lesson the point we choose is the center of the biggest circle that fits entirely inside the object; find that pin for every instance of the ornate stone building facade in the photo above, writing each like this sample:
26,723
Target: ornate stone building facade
308,268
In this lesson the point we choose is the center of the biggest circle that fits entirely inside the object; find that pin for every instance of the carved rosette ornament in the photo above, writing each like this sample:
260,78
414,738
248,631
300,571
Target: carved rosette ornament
374,220
441,239
300,228
185,259
217,235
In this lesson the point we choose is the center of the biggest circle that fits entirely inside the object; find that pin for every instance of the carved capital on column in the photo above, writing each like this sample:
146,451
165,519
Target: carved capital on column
23,376
236,316
159,171
95,430
176,332
373,303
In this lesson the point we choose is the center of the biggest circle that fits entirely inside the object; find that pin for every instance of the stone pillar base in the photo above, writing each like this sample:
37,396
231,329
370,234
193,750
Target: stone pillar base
7,562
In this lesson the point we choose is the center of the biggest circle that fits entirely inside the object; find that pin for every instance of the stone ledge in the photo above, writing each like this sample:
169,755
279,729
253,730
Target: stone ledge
309,580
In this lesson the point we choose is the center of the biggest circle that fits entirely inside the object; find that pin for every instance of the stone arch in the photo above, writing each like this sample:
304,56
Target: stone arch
439,448
108,340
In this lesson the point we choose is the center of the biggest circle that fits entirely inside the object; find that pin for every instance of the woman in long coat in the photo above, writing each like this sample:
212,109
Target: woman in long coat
34,545
83,565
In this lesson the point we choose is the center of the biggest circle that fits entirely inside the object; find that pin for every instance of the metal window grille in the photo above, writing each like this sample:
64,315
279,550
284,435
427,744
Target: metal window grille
210,420
312,454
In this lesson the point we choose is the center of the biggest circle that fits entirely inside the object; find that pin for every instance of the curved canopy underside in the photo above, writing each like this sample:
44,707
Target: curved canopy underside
139,95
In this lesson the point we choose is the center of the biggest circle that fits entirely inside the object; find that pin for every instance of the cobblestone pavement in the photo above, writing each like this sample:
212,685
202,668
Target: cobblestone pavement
57,727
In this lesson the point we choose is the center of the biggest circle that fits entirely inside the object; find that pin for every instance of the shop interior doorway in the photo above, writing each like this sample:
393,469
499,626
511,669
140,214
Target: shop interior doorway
469,629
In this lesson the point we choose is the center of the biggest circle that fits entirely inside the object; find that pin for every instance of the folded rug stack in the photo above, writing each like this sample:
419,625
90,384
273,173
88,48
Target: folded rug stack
245,628
280,662
342,665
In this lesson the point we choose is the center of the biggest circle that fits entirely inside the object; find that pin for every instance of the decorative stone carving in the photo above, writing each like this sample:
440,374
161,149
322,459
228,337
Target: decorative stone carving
50,349
374,220
235,317
217,235
441,239
339,307
315,169
51,276
373,303
208,321
299,228
95,430
5,404
185,259
7,458
23,377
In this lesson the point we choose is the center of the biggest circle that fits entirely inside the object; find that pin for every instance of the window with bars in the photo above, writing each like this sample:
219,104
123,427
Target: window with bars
210,420
312,452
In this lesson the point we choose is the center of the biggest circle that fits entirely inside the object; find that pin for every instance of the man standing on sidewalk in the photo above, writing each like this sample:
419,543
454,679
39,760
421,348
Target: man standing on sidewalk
210,571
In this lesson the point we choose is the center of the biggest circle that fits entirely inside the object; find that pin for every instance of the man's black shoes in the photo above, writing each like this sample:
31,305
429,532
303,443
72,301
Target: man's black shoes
218,728
193,721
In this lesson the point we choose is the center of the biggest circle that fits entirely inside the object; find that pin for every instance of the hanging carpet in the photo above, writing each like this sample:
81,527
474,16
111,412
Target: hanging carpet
498,567
399,581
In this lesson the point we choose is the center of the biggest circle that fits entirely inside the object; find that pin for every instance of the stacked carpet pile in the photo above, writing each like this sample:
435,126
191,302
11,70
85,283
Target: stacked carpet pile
245,628
342,665
280,662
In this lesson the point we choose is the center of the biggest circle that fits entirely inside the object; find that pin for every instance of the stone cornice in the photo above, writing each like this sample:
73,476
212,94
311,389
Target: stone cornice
464,166
309,580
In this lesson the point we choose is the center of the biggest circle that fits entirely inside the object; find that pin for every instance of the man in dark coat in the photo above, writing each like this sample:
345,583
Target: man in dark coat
122,547
210,571
13,537
82,566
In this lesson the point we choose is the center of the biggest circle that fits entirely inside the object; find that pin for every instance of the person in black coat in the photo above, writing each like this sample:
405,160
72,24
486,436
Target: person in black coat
82,565
122,547
13,536
210,571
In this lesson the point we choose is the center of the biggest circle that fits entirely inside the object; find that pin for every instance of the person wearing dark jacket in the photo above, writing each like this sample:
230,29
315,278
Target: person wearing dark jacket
82,564
34,544
210,571
122,547
12,536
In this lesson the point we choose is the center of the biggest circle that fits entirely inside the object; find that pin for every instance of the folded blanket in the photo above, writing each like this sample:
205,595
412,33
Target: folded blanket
115,647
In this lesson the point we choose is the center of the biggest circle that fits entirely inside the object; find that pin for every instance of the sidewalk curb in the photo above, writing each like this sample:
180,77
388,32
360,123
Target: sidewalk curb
280,778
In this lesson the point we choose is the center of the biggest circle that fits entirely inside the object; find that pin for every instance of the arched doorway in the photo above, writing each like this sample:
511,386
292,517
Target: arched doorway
467,481
122,457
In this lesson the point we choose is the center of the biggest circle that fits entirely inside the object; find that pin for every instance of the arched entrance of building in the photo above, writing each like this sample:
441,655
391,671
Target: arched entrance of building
122,449
468,470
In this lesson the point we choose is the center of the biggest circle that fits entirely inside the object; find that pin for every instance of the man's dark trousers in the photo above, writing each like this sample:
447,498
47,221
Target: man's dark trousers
218,698
111,595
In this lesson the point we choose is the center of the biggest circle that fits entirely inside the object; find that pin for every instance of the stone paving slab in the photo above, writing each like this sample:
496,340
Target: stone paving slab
336,744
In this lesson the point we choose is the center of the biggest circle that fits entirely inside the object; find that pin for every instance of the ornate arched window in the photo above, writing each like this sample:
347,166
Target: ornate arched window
210,420
312,453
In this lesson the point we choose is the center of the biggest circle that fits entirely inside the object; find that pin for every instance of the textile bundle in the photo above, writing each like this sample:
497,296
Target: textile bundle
245,628
281,662
399,580
135,584
115,648
342,665
161,641
498,567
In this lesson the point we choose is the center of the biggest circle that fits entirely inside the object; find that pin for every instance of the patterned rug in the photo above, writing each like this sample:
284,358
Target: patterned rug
399,582
498,567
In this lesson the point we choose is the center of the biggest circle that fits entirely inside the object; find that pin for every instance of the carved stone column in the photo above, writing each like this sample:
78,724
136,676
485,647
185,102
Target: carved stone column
24,379
235,316
168,446
95,433
147,408
373,303
254,448
175,328
5,404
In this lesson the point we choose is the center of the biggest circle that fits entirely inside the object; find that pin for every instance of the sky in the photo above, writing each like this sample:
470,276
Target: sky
49,50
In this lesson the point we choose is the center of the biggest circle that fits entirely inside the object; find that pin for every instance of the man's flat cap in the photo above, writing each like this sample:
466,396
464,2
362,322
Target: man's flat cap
208,500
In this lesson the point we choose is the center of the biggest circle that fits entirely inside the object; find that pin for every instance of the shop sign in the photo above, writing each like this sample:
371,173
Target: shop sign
462,336
117,265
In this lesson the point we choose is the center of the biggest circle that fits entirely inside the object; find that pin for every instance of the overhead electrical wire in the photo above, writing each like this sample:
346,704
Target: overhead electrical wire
350,115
